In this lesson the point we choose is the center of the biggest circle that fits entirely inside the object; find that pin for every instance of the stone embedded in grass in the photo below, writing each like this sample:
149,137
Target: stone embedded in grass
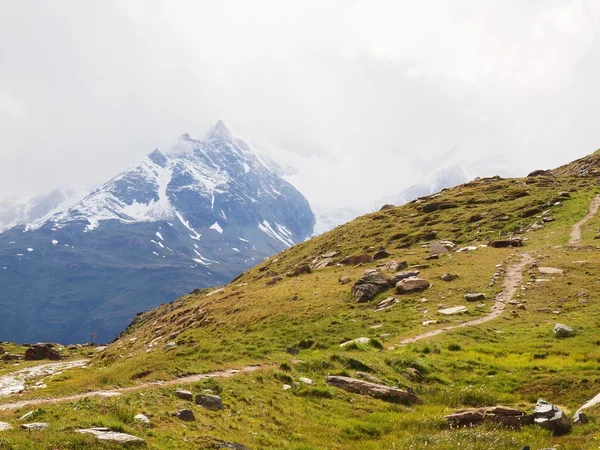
497,414
381,254
5,426
392,266
141,418
106,434
357,341
551,417
353,260
169,345
475,297
371,284
580,418
36,426
185,395
379,391
387,303
286,387
550,271
562,331
321,263
187,415
307,381
411,284
231,445
437,249
344,280
212,402
298,270
403,275
26,415
447,277
504,243
453,310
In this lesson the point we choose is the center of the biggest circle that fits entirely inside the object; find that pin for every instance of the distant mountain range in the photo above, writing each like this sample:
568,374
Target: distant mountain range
194,216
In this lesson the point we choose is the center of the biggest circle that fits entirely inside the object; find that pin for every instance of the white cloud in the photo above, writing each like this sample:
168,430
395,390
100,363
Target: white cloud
88,88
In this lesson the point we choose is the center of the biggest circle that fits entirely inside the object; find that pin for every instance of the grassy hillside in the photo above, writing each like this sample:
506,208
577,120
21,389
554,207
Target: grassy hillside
512,360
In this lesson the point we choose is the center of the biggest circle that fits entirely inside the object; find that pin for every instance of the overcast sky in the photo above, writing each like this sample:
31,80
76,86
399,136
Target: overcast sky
87,88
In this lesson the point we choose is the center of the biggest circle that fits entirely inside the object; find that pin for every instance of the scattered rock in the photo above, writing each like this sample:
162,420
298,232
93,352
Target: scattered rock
5,426
286,387
414,374
208,401
36,426
298,270
371,284
330,255
497,414
437,249
403,275
551,417
357,341
185,395
562,331
381,254
475,297
273,281
344,280
141,418
374,390
231,445
411,284
187,415
169,345
393,266
292,351
353,260
429,322
26,415
503,243
580,418
550,271
453,310
41,351
321,263
387,303
9,357
368,377
307,381
106,434
448,277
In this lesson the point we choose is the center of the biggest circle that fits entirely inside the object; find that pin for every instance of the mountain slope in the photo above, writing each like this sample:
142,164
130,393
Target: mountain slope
194,216
34,212
501,351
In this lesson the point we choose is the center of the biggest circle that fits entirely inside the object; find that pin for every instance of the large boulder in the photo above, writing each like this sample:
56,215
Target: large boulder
379,391
497,414
321,263
393,266
411,284
551,417
402,275
41,351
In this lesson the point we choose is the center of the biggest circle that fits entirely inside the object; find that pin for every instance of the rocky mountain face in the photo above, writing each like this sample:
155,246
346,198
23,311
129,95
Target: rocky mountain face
192,217
34,212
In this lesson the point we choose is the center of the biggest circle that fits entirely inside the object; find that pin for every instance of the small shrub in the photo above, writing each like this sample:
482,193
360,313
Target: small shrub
454,347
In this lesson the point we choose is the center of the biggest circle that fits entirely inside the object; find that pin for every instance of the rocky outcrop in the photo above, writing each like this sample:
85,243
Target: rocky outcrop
387,303
551,417
379,391
497,414
411,284
106,434
41,351
403,275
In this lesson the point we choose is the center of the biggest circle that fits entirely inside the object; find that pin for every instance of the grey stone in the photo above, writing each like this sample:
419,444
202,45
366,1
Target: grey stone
562,331
212,402
187,415
551,417
36,426
379,391
106,434
475,297
185,395
141,418
5,426
411,284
